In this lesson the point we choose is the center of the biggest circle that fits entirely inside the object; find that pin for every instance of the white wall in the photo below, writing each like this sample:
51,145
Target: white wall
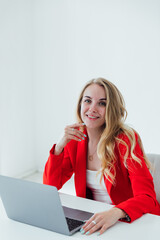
17,115
72,41
79,40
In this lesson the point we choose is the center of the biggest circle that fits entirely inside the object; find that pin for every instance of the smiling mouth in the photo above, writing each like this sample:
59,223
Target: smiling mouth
92,117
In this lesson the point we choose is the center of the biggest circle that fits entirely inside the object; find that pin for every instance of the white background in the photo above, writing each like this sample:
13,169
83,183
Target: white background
50,48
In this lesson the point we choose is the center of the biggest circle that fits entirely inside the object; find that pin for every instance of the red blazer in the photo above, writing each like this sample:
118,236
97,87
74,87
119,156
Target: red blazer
133,191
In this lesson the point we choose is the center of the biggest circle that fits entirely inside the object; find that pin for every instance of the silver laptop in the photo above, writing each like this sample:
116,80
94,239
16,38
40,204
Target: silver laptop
39,205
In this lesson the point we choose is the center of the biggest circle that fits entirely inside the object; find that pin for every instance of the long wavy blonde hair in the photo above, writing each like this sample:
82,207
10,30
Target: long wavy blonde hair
115,117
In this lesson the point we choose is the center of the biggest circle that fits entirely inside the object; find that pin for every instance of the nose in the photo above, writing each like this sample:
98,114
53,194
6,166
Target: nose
93,108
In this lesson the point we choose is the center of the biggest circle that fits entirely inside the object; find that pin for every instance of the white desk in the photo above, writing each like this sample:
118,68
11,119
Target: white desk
147,227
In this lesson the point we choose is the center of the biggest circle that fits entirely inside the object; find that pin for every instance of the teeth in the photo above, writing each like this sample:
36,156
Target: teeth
91,117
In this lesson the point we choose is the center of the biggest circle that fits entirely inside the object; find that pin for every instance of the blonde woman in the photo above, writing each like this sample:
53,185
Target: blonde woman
107,158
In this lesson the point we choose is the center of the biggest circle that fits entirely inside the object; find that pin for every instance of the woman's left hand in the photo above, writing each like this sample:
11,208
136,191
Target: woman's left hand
102,221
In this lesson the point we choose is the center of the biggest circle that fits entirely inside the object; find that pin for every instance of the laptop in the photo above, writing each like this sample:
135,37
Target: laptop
39,205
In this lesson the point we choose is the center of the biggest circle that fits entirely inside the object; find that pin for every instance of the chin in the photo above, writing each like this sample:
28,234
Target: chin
93,125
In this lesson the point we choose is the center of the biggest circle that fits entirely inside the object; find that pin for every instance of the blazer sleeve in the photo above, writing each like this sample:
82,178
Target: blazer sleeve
144,197
58,168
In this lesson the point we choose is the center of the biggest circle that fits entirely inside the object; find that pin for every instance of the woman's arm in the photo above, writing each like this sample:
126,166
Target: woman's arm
144,197
59,167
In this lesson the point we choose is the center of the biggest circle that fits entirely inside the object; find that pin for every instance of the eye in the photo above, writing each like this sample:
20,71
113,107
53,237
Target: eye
87,100
102,104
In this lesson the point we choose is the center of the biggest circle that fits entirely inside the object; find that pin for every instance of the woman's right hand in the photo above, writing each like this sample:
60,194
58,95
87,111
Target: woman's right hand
71,132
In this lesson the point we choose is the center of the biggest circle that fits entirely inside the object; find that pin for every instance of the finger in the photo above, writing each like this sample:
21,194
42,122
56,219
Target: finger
77,125
74,138
74,132
91,228
70,130
92,222
103,229
89,221
91,225
77,133
95,218
69,135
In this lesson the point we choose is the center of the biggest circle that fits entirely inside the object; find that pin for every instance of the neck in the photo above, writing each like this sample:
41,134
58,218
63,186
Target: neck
94,135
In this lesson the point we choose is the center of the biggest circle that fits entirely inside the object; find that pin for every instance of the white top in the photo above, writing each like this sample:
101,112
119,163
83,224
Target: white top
98,189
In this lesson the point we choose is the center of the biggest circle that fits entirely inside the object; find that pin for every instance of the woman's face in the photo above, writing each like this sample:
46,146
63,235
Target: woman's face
93,106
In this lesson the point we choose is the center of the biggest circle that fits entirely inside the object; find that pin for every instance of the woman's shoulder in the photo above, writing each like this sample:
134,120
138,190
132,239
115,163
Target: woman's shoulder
127,136
125,142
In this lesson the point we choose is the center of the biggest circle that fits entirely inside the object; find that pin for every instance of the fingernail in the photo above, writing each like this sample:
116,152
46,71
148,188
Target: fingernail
87,233
83,124
85,135
80,140
82,231
98,234
83,138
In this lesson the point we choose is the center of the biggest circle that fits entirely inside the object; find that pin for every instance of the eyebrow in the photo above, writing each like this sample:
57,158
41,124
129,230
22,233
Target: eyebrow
99,99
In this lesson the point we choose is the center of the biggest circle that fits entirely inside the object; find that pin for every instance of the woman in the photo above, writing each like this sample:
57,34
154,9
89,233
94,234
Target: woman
107,158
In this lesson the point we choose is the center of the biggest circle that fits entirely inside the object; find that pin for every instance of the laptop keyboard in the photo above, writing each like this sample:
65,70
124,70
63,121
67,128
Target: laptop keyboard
73,223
